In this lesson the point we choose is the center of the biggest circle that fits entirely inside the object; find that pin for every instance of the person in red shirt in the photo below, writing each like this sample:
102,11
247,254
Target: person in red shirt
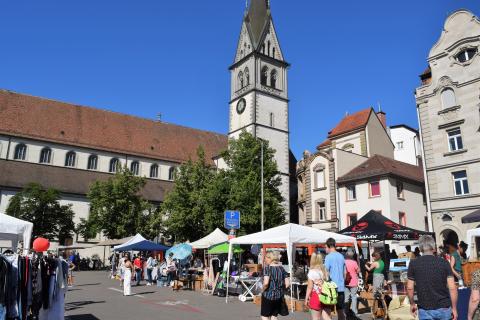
137,263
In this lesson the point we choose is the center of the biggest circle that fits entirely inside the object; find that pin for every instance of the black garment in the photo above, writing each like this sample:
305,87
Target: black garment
270,308
432,290
341,301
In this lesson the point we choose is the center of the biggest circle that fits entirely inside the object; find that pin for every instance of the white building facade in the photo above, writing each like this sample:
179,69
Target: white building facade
407,144
259,90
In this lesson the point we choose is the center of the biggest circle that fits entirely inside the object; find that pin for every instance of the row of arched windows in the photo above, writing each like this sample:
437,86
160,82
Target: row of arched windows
266,49
243,78
92,164
267,76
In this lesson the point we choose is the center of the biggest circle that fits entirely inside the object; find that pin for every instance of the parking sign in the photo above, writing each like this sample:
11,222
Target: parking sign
232,220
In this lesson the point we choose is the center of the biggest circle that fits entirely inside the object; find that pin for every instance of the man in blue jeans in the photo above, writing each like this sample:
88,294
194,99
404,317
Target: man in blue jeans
335,265
433,278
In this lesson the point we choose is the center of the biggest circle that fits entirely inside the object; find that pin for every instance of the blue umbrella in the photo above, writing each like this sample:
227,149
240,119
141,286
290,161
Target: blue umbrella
180,251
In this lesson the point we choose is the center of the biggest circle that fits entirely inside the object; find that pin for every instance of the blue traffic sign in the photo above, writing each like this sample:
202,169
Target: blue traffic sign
232,220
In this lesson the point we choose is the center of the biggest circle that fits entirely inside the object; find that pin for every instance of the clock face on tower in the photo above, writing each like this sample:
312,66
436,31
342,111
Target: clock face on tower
241,106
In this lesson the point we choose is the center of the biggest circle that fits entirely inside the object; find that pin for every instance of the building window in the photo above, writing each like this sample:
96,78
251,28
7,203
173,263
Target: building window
92,162
402,219
455,142
264,76
400,194
466,55
45,155
272,120
273,79
247,76
400,145
321,211
20,152
70,159
135,168
273,55
154,171
448,98
268,47
319,179
460,182
348,147
374,189
171,173
351,192
114,165
352,219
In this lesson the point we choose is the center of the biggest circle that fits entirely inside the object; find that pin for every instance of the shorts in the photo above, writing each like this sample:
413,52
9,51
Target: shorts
270,308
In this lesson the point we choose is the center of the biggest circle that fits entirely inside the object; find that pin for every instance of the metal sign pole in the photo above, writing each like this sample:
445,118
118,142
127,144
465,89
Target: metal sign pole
261,168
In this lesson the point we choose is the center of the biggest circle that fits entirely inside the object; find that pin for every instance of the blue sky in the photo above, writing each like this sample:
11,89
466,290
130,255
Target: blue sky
172,57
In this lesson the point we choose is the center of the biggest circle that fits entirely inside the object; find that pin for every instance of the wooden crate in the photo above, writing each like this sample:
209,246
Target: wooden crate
254,267
467,270
300,306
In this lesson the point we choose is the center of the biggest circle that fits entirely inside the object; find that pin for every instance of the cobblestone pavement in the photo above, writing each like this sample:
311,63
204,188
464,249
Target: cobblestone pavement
95,296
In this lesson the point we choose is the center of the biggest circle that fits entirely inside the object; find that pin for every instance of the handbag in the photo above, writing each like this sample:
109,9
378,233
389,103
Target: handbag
348,278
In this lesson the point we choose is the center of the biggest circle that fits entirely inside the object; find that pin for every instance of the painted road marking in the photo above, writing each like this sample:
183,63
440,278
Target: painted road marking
133,295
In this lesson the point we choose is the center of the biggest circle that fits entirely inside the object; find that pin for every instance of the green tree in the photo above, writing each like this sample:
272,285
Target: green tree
243,159
187,205
116,208
42,207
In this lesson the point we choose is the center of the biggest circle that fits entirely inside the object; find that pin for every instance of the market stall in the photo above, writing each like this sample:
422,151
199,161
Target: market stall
289,235
139,243
216,237
16,230
376,227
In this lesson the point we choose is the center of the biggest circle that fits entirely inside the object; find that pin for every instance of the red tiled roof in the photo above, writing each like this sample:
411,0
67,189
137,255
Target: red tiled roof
351,122
324,144
38,118
379,165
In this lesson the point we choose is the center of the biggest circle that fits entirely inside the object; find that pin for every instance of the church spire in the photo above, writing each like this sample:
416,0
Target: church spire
258,17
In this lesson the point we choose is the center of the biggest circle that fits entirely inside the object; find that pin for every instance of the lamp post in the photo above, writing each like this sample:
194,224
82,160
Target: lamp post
261,174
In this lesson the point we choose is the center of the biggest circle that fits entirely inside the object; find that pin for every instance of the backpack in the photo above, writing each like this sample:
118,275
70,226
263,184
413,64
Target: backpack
329,294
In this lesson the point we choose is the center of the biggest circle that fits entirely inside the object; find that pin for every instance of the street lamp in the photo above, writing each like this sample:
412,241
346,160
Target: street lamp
261,174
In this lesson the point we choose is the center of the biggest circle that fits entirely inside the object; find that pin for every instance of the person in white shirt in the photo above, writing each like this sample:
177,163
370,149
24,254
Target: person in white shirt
316,276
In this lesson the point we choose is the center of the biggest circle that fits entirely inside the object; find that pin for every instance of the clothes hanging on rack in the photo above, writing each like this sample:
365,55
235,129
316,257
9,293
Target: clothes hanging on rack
32,288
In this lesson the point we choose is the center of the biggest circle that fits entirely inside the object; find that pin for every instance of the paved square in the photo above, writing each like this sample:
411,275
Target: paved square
95,296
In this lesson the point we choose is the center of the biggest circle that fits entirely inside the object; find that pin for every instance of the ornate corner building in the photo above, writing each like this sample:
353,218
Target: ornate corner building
448,107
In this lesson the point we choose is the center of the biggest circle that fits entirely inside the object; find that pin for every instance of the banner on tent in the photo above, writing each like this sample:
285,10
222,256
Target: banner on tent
232,220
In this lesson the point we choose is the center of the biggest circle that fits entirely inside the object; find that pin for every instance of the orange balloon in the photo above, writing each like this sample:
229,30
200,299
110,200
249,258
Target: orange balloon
41,244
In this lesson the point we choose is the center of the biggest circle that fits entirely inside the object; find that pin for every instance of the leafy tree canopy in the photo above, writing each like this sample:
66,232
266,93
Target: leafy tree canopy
42,207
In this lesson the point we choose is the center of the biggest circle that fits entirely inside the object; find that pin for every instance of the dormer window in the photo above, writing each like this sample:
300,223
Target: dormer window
466,55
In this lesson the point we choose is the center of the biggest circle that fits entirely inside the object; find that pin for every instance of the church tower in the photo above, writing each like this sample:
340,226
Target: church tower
259,91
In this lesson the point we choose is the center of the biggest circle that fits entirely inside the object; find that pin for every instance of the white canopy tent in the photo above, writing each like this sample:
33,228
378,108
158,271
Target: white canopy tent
216,237
471,235
289,235
16,230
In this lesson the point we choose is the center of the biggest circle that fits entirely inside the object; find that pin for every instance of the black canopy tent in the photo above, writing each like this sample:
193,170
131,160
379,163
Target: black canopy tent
472,217
375,227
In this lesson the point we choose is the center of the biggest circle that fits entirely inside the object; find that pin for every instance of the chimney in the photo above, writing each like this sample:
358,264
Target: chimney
383,118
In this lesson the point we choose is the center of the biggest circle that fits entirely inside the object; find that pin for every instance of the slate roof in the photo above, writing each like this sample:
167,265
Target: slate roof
380,166
17,174
257,18
351,122
43,119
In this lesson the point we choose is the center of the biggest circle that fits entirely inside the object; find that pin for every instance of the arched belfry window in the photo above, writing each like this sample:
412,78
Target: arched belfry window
240,80
92,162
273,53
448,98
268,48
171,173
247,77
273,79
154,171
264,76
20,152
